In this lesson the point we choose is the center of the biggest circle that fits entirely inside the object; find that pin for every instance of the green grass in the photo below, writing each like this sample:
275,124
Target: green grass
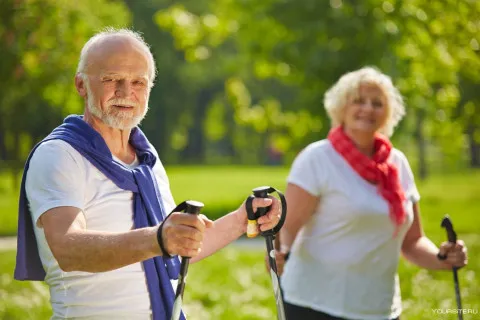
8,205
221,189
18,299
233,283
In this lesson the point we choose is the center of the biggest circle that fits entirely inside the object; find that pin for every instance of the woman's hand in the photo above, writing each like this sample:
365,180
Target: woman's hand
453,254
279,261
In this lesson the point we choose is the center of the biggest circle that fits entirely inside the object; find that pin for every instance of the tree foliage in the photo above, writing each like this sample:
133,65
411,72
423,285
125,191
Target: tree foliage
429,48
40,42
242,81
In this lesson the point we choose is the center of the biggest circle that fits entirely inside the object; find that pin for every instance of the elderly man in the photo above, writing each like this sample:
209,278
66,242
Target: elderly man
95,194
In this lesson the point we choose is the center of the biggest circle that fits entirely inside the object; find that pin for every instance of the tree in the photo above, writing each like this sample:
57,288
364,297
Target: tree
304,46
41,42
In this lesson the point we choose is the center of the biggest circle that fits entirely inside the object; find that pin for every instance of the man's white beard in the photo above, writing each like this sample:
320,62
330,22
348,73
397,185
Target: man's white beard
118,119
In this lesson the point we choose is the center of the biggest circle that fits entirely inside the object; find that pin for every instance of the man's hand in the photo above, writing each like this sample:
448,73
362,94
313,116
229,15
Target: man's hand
183,233
266,222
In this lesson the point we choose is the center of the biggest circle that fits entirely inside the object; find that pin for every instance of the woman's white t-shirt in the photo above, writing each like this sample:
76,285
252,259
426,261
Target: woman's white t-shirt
344,259
60,176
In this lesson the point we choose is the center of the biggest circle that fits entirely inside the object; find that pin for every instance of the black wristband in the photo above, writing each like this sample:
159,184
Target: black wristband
287,255
165,253
441,257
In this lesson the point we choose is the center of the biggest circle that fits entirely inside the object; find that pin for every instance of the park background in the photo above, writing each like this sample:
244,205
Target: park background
239,93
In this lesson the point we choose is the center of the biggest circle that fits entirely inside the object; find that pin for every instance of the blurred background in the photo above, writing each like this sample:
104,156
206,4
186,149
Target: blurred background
239,93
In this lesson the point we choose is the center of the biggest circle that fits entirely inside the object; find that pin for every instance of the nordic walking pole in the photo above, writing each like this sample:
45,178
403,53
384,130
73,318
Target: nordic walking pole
252,231
452,238
191,207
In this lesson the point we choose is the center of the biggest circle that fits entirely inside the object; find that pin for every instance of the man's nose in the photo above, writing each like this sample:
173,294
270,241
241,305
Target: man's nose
123,89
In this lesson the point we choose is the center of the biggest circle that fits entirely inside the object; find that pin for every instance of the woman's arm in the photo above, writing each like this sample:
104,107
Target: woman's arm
420,250
301,206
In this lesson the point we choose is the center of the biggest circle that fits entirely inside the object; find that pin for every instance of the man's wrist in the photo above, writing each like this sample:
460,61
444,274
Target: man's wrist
160,242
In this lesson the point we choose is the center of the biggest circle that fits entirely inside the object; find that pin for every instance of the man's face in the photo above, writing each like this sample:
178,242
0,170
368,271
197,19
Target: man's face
117,84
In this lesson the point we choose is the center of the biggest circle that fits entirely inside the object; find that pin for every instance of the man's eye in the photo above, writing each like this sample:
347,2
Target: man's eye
107,80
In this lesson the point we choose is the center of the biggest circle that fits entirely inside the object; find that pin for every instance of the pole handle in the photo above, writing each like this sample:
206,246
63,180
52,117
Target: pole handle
189,207
262,192
447,224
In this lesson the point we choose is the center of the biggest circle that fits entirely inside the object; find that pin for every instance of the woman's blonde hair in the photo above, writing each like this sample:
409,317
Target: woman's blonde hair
337,97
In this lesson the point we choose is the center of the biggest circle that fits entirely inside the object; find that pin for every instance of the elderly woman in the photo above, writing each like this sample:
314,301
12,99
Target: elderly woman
353,208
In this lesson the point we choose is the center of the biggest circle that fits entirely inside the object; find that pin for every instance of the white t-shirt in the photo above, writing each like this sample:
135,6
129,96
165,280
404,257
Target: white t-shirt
60,176
344,259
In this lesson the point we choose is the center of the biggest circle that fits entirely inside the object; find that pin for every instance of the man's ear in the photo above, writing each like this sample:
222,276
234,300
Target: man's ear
80,85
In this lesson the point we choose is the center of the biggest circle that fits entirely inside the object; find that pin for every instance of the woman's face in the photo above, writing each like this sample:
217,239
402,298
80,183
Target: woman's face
367,111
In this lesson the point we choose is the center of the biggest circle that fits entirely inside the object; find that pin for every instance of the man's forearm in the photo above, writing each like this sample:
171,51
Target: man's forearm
96,251
424,254
224,230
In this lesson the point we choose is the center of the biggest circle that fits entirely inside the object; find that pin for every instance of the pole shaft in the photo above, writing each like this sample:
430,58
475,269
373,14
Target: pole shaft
181,278
457,293
275,279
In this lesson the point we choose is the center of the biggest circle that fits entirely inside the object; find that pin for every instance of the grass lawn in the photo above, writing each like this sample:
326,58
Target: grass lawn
8,205
221,189
233,284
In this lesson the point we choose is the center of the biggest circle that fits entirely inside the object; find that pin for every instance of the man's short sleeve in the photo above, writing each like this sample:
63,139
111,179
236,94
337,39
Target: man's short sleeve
306,171
164,186
55,178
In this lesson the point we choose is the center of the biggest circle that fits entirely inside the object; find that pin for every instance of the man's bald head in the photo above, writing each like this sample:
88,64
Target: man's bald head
106,42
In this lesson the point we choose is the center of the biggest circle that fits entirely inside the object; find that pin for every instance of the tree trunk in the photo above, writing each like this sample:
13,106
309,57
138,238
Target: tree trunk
3,147
15,168
421,144
474,146
228,141
195,149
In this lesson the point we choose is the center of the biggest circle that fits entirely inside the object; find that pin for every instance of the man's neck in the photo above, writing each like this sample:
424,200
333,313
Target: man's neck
116,139
364,141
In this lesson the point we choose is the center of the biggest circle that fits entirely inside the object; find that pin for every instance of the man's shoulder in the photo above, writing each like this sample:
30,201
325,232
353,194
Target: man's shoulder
55,152
54,144
52,147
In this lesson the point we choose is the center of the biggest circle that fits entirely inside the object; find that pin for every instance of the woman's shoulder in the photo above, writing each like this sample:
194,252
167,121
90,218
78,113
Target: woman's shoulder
400,160
318,150
318,147
397,156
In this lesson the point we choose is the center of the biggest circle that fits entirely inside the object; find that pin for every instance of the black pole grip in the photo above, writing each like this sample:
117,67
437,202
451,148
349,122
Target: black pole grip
447,224
452,238
190,207
193,207
261,192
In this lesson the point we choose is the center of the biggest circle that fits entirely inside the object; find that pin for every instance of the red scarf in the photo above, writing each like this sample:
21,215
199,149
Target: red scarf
375,170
